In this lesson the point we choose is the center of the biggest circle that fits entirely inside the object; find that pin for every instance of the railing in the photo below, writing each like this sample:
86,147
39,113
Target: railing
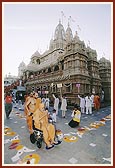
47,75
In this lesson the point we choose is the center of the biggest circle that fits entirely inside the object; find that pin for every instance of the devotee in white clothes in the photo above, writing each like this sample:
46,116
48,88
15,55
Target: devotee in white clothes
56,103
82,103
88,104
43,100
63,105
47,103
92,98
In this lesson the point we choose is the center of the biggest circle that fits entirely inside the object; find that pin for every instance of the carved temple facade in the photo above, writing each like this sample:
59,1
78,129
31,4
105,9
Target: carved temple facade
67,67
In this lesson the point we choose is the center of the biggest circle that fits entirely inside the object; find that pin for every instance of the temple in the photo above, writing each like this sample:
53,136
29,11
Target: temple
67,67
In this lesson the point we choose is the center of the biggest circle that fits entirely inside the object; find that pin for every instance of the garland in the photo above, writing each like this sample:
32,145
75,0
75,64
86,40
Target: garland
66,85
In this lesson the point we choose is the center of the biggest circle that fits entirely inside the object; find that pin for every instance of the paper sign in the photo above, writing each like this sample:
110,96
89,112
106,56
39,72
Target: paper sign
78,85
59,85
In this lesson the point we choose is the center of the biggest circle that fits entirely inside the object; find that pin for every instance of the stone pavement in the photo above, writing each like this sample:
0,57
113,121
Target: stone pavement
89,147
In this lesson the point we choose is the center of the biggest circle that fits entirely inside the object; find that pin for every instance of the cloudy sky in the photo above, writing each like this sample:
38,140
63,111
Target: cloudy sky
28,27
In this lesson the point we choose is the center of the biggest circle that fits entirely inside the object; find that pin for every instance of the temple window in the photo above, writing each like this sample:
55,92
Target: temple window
38,61
49,70
62,65
56,68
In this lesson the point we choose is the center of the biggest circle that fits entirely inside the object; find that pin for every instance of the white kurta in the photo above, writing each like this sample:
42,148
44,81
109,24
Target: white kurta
82,101
63,104
56,104
88,104
47,102
88,101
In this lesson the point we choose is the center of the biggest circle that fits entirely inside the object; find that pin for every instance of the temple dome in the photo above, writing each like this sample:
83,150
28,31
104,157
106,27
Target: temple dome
36,54
69,35
59,32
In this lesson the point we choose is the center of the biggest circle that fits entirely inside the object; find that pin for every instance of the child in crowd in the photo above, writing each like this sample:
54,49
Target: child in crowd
76,114
54,116
47,103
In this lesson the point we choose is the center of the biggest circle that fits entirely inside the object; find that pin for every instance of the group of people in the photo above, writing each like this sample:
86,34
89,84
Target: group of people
89,102
37,116
37,113
86,103
8,104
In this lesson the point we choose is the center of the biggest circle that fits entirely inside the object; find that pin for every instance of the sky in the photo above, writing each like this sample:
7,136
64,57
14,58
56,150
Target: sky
28,27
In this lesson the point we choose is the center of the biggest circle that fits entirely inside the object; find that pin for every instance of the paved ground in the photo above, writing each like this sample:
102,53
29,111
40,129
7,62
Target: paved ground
90,147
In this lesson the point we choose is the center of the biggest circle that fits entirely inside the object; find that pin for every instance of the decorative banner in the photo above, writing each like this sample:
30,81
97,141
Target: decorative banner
59,85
